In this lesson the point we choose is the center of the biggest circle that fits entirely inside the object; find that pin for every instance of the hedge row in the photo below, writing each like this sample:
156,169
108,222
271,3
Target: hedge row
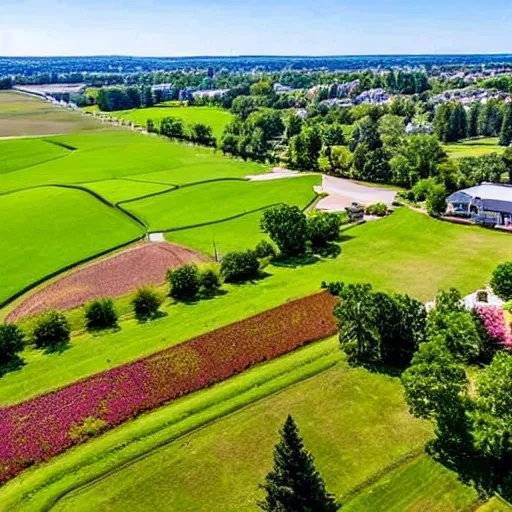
42,427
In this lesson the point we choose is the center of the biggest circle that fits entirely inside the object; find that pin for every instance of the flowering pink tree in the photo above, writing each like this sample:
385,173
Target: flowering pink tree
493,320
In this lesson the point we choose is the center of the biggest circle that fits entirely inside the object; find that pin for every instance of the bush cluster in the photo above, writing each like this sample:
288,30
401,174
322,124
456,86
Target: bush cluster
237,267
51,330
146,303
100,314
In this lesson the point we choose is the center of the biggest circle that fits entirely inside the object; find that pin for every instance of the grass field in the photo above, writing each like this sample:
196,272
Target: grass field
473,147
21,153
50,228
124,189
119,155
217,118
22,115
211,202
355,423
406,252
349,418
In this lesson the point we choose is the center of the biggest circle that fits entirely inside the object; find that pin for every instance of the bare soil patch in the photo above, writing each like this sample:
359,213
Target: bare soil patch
112,277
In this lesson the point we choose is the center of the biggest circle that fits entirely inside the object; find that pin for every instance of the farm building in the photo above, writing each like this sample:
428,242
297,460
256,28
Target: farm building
488,203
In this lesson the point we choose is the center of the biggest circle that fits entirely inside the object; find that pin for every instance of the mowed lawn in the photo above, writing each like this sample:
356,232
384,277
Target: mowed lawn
211,202
125,154
354,422
43,230
217,118
473,147
20,153
22,115
406,252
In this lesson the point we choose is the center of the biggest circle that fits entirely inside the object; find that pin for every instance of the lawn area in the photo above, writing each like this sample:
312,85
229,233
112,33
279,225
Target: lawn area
211,202
406,252
124,189
50,228
219,467
473,147
20,153
215,117
22,115
354,422
125,154
232,235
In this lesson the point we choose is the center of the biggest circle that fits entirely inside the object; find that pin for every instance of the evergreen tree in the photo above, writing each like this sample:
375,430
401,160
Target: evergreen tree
458,123
474,112
294,485
506,127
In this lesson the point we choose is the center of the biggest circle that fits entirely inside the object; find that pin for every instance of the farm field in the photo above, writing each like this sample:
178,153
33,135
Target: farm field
473,147
110,156
22,153
219,467
22,115
70,225
387,253
212,202
217,118
116,276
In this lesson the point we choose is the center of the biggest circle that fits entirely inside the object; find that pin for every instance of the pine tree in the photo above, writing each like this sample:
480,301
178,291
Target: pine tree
294,485
506,127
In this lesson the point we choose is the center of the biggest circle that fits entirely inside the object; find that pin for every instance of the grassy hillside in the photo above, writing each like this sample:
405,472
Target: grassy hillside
50,228
112,155
211,202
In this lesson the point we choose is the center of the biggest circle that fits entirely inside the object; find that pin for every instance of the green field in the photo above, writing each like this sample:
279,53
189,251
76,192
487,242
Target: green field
217,118
406,252
23,115
21,153
110,155
355,423
473,147
124,189
50,228
211,202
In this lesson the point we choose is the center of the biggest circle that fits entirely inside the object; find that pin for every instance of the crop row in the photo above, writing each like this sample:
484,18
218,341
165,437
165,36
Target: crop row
39,428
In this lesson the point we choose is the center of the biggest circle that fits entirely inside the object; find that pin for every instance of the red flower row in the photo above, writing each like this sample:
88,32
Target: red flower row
39,428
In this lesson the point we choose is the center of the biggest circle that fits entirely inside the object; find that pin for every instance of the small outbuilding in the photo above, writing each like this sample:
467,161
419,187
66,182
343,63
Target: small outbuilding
488,203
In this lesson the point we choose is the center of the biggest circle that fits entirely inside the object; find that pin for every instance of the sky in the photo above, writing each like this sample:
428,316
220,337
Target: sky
257,27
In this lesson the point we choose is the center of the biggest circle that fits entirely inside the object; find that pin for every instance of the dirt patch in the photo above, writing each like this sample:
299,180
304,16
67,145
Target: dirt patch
112,277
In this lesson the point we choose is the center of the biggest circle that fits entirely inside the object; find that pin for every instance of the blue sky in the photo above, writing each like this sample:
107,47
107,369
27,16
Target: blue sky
273,27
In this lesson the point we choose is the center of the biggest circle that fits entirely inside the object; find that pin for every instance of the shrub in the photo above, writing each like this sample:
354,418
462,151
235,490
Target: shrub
184,282
146,303
436,200
421,190
379,209
100,314
240,266
287,227
323,228
51,329
501,281
265,250
209,280
11,342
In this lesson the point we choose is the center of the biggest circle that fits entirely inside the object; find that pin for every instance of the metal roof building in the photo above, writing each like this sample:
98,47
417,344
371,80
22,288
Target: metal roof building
488,203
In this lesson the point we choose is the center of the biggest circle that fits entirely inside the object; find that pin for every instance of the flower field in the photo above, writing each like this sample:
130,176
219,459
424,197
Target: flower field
37,429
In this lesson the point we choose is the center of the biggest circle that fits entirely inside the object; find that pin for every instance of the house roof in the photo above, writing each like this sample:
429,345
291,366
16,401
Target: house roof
487,196
490,191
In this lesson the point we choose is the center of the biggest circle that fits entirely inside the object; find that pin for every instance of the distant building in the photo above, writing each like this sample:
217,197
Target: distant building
488,204
209,93
279,88
164,91
414,128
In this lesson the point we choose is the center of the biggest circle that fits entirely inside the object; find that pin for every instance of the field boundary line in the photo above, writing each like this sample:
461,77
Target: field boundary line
71,266
172,439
